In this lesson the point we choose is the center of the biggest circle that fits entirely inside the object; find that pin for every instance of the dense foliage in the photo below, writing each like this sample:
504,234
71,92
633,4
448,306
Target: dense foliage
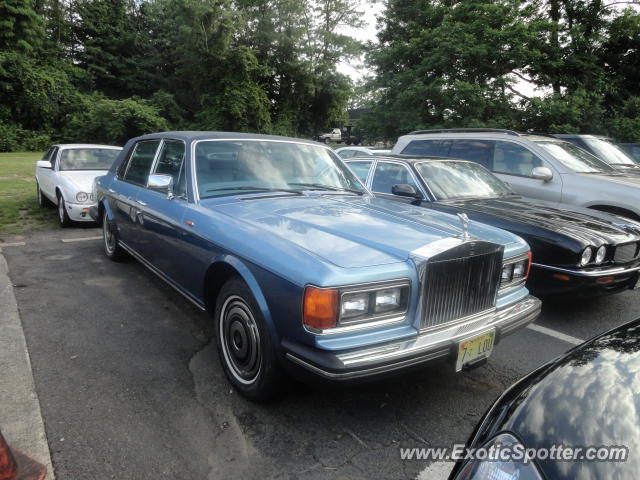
450,63
106,70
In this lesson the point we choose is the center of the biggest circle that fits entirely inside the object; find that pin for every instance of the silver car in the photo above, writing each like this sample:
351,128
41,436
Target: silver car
536,166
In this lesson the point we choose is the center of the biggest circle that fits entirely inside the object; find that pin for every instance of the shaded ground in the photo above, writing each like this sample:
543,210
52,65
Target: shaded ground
130,385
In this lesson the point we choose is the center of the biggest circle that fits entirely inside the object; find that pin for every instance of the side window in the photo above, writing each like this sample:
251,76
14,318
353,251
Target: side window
389,174
479,151
513,159
47,154
139,165
171,162
438,148
361,169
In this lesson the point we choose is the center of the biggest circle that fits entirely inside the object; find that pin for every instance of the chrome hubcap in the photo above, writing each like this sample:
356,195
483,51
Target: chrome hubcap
61,209
109,237
240,340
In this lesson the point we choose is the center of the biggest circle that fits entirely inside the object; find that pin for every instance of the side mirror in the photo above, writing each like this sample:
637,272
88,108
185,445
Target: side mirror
43,164
542,173
161,183
404,190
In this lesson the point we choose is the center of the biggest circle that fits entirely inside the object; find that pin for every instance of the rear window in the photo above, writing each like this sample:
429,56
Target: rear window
428,148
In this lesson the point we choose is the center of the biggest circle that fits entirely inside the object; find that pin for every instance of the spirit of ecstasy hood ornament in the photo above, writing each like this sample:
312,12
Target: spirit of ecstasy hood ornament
465,226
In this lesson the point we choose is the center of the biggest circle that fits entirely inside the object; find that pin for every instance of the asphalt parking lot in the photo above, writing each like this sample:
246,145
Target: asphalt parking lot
130,386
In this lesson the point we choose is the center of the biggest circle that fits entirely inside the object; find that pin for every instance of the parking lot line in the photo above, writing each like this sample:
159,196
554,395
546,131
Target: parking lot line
554,333
82,239
13,244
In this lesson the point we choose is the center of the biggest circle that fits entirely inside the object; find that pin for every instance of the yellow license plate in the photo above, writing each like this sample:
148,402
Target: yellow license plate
475,349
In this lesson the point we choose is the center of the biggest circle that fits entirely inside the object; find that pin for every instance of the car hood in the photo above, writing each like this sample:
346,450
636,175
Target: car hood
621,178
82,180
532,217
589,396
350,231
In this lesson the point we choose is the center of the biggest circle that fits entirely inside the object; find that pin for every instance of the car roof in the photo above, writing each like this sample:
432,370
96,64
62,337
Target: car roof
580,135
205,135
85,145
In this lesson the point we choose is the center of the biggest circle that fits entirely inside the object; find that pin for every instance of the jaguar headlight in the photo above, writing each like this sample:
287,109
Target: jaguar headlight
82,197
586,256
601,253
508,461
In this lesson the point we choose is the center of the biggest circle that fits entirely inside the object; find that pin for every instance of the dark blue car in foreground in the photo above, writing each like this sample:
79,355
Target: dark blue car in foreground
301,267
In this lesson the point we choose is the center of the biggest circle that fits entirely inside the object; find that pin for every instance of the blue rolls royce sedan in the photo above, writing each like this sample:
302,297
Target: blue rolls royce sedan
303,270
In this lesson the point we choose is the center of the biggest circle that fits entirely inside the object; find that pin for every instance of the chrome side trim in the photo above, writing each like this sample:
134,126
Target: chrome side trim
589,273
161,275
424,347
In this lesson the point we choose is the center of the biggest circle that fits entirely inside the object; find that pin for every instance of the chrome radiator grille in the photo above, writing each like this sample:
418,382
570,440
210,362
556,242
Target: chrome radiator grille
455,288
625,253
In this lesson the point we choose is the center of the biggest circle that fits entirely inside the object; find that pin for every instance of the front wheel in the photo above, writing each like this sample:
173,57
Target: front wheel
63,216
244,344
110,238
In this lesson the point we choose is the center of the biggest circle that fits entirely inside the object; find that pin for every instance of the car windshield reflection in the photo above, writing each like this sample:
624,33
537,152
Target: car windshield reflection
88,158
457,180
231,167
575,158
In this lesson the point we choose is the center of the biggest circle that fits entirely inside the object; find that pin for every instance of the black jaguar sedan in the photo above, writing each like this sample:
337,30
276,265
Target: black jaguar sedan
575,251
575,418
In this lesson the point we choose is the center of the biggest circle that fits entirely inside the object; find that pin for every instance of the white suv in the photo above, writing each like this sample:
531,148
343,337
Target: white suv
536,166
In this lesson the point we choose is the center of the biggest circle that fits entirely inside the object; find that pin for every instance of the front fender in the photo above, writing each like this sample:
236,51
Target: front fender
249,278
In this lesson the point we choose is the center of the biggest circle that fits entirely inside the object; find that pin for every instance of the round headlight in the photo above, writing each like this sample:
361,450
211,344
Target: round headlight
82,196
586,256
600,254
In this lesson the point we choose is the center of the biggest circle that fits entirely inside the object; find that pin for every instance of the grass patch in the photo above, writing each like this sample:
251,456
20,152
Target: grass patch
19,210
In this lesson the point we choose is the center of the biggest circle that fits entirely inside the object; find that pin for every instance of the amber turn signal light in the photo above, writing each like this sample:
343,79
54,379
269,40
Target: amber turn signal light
320,309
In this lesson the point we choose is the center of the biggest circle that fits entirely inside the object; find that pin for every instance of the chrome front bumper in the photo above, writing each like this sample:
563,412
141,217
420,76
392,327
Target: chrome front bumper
426,347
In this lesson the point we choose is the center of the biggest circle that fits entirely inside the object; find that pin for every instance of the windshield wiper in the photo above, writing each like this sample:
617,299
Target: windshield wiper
256,189
320,186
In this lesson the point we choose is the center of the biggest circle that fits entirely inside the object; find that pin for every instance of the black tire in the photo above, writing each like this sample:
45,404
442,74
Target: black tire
112,248
325,140
43,201
63,217
244,344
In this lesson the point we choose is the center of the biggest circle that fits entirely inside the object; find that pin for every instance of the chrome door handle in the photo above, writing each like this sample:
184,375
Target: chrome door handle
141,203
111,190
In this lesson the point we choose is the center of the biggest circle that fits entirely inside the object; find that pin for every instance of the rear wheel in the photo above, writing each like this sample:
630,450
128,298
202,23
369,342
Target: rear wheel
110,238
244,344
63,217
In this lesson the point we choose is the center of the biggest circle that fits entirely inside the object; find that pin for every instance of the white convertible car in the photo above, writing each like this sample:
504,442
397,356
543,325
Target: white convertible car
64,177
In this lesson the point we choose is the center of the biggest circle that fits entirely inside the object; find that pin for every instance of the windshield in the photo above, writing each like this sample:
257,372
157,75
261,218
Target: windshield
87,158
232,167
450,180
608,152
575,158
